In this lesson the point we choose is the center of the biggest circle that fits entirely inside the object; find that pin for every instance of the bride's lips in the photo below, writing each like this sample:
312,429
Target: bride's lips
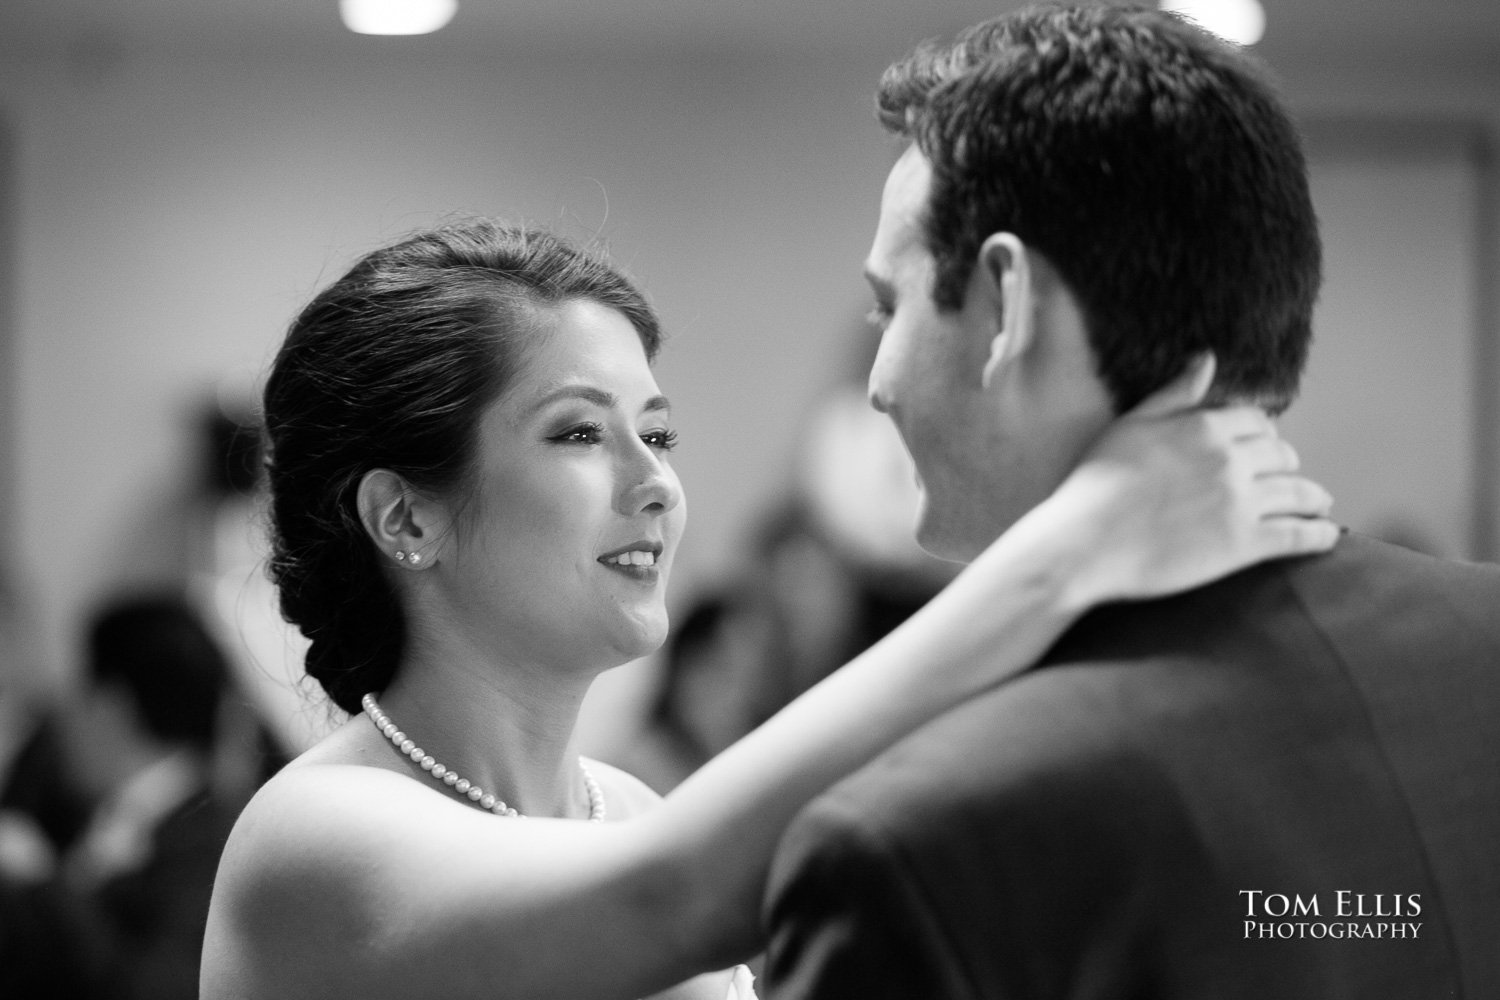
639,561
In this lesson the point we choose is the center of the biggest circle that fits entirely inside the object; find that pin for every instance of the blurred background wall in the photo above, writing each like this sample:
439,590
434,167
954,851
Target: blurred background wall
176,179
174,213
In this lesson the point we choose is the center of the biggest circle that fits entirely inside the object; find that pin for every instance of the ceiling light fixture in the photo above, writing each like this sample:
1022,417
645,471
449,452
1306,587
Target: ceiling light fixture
1240,21
396,17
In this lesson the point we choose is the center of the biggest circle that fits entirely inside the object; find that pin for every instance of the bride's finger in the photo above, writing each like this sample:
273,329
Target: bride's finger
1292,536
1239,423
1267,456
1291,495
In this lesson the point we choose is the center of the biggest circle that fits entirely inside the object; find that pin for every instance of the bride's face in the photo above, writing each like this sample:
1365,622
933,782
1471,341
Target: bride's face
563,546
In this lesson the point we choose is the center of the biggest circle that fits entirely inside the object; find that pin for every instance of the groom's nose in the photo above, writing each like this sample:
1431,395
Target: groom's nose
879,386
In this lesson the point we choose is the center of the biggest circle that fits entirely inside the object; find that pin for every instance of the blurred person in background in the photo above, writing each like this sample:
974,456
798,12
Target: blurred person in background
41,806
475,514
830,570
134,787
722,673
53,946
145,740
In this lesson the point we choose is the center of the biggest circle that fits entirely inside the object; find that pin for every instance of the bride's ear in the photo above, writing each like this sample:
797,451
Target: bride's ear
401,522
1003,276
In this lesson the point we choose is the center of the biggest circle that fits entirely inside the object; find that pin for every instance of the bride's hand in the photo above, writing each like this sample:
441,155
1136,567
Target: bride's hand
1172,497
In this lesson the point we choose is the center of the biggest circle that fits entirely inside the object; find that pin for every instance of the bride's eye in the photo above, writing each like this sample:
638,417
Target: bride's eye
660,440
581,434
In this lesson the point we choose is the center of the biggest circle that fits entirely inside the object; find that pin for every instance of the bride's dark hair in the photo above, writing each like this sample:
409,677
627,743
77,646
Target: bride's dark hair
390,367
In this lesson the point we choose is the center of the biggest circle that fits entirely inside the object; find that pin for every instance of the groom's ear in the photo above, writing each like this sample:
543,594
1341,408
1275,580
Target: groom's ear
1004,283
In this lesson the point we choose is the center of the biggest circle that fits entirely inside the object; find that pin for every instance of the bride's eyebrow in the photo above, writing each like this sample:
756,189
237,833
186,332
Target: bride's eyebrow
587,393
599,397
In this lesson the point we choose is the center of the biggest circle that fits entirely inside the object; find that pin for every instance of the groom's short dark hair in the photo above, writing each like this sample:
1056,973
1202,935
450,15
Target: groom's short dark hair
1149,162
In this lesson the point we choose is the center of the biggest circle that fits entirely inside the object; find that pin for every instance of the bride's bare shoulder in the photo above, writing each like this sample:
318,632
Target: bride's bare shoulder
305,801
280,807
313,820
297,871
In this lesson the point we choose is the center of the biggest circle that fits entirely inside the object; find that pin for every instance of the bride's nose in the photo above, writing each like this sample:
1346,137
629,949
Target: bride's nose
647,486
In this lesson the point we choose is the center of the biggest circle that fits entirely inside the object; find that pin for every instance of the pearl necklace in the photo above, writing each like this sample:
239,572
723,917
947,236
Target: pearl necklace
463,786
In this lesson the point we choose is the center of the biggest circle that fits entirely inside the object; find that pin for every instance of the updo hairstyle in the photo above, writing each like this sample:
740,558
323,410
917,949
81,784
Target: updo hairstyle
391,367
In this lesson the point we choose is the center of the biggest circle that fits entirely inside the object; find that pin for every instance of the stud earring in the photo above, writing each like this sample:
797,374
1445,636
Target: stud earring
416,557
400,556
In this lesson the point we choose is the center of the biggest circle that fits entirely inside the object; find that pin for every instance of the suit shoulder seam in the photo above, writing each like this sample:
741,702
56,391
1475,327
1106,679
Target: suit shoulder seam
1390,770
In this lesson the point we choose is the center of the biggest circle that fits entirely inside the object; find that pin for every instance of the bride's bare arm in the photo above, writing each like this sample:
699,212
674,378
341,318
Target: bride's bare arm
346,880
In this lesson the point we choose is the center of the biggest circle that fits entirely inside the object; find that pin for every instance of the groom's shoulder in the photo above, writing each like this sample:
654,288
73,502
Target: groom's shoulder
1167,754
1363,589
1367,577
1135,688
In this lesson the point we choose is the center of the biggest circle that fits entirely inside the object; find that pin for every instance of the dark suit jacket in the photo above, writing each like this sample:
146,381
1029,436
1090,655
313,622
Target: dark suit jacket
1091,830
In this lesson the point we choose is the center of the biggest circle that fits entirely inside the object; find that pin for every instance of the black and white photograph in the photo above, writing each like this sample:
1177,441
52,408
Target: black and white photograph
1088,413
